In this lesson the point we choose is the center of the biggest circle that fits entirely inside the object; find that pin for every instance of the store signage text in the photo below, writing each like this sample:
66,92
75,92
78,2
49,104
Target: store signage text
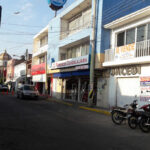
130,70
125,52
71,62
145,88
38,69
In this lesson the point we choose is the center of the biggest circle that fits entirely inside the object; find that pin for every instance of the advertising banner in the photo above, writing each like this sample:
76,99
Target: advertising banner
38,69
145,89
125,52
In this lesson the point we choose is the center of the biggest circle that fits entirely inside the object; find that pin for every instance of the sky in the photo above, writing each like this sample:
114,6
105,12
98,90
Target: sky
21,20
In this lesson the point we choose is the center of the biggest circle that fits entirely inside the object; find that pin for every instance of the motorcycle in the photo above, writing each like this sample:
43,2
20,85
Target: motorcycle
144,123
120,114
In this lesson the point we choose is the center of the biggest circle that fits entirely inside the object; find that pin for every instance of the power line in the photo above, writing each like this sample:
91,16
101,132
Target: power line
22,25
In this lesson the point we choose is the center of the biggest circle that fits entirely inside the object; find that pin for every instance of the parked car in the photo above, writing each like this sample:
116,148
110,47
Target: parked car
3,87
27,91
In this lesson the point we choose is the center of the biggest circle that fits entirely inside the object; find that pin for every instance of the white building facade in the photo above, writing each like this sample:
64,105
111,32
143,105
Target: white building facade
127,62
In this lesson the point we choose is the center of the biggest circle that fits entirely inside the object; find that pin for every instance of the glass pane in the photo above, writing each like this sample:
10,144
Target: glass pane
87,49
130,36
73,52
78,51
83,50
120,39
148,36
141,33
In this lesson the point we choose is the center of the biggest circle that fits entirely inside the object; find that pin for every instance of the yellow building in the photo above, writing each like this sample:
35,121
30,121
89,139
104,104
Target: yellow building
39,59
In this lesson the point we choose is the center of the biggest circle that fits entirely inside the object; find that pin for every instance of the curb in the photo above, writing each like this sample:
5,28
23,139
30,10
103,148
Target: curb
62,102
95,110
83,107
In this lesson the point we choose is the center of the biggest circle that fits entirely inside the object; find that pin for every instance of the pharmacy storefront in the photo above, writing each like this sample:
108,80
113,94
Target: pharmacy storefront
71,83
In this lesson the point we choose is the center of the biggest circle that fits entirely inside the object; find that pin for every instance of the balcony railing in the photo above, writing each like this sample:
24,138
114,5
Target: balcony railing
41,50
141,49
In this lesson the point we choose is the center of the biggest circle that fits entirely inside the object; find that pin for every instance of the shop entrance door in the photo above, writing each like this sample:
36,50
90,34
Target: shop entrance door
72,89
74,92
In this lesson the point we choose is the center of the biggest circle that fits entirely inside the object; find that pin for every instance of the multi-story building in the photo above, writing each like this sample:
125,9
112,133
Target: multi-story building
39,60
19,72
69,51
4,58
10,70
125,37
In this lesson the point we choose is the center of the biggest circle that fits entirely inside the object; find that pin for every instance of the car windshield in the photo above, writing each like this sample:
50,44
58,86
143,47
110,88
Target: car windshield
31,88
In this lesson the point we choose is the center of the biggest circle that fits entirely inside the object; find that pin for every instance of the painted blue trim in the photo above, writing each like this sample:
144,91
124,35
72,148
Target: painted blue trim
70,74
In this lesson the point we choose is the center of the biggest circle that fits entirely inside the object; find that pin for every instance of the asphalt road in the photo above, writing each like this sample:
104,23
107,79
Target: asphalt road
45,125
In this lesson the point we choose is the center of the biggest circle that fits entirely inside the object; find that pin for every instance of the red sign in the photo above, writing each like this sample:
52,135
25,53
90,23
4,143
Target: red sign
38,69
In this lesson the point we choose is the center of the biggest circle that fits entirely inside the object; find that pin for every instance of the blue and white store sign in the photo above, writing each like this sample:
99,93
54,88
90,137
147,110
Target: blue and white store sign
57,3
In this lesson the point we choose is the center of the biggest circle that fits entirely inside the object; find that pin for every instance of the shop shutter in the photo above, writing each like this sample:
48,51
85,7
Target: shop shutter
127,88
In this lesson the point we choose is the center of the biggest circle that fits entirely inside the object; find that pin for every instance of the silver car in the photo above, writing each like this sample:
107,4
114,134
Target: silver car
27,91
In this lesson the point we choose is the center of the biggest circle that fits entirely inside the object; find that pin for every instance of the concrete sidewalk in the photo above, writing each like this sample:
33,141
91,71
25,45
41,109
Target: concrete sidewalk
80,106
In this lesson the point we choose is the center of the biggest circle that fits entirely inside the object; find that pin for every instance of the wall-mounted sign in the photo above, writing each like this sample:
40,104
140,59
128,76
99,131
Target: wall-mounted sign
38,69
39,78
56,4
125,52
83,67
71,62
145,88
130,70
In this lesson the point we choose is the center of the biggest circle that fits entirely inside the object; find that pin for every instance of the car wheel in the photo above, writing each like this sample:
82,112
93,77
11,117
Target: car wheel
22,96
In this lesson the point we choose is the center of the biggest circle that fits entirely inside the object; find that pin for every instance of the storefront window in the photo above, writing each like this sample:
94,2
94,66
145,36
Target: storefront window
120,39
130,36
141,33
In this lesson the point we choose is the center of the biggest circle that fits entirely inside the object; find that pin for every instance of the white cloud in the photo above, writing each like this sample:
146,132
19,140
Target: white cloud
27,6
26,11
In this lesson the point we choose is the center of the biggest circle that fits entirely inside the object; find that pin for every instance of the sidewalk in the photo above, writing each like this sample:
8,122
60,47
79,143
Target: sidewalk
80,106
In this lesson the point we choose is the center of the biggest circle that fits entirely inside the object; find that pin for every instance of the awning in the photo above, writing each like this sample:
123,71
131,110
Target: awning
70,74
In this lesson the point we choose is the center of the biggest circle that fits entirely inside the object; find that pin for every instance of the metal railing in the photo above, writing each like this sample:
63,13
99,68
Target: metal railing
142,49
109,55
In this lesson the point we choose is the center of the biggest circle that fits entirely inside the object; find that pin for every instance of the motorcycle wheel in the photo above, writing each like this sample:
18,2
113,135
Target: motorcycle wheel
132,122
145,128
117,117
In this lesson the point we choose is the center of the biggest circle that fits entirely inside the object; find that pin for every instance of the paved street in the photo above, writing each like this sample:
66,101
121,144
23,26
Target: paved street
45,125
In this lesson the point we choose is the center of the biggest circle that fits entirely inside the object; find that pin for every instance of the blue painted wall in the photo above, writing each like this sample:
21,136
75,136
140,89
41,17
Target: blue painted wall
112,10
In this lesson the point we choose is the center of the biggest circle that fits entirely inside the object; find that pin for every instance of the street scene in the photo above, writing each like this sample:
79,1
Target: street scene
74,74
39,124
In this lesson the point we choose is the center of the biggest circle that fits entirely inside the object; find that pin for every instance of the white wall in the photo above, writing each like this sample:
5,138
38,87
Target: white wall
18,69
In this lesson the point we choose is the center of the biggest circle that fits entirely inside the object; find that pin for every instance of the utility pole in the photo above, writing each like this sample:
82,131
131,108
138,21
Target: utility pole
92,63
46,82
26,65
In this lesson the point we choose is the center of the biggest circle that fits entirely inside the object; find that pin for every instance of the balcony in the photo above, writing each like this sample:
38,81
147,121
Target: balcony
128,54
41,50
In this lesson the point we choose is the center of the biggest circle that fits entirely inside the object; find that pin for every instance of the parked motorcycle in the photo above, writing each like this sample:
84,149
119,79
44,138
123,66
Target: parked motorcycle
144,123
120,114
136,116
